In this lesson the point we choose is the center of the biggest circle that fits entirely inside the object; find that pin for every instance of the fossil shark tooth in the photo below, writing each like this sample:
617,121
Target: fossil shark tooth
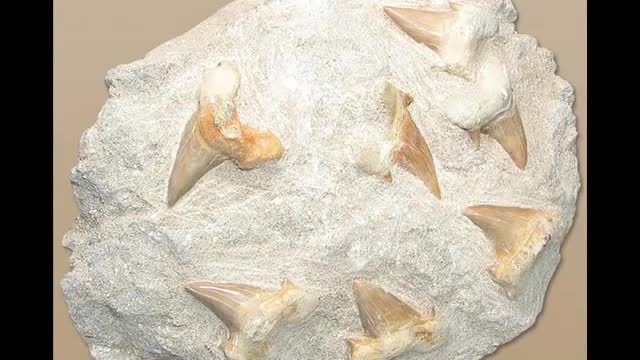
519,235
508,131
214,134
456,33
392,327
490,108
404,145
252,314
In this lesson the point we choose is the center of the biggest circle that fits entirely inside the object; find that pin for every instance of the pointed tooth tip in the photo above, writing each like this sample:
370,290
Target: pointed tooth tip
469,211
473,213
521,161
476,209
509,132
191,286
436,192
171,199
197,287
398,14
392,10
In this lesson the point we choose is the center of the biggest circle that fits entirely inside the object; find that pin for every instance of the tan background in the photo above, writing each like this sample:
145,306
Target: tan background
91,37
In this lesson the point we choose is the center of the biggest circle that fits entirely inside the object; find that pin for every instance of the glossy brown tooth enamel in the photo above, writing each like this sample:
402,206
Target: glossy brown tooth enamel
411,150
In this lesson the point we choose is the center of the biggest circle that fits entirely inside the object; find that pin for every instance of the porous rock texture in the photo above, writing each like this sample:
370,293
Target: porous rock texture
312,72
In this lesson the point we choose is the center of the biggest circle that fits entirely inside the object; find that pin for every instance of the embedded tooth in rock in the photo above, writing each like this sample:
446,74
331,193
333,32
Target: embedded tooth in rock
457,34
392,327
519,235
489,107
404,145
214,135
251,313
508,131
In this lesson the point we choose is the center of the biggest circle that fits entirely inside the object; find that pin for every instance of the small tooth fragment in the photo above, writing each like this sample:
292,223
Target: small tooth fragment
252,314
519,235
392,327
404,146
214,135
456,34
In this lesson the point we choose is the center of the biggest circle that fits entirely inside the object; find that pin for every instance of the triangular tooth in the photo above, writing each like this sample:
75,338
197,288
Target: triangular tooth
381,312
519,234
251,313
425,26
386,319
411,151
405,145
416,158
214,134
228,301
509,133
194,159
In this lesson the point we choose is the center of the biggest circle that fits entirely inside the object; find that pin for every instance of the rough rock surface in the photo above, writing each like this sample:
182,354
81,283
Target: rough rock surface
313,73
